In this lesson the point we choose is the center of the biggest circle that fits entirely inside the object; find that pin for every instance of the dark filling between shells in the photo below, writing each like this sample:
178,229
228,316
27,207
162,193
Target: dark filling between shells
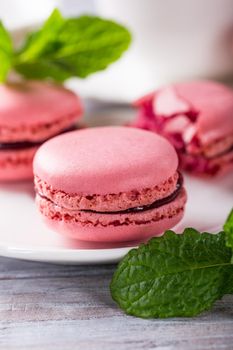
156,204
7,146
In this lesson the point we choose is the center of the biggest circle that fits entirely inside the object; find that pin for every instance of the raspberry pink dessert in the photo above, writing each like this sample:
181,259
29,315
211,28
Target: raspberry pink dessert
109,184
197,117
30,113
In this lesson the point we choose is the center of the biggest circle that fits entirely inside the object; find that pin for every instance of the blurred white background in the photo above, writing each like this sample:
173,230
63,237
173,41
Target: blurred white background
17,13
173,40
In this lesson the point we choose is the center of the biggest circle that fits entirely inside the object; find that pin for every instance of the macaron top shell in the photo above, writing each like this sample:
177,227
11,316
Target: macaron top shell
211,102
105,160
32,102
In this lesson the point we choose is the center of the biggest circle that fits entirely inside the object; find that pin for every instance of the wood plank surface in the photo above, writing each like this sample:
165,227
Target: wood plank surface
45,306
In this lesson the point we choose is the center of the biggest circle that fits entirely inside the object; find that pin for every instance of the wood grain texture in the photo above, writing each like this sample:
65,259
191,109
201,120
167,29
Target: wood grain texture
47,307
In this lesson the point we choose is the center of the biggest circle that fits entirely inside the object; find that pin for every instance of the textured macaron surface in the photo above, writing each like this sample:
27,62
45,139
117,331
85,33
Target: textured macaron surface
95,219
111,201
107,160
33,110
197,118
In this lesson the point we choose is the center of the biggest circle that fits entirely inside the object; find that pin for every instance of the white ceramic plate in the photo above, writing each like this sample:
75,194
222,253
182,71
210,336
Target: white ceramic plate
24,235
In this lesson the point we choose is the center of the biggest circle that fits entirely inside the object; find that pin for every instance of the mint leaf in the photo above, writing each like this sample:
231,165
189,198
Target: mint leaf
174,275
6,51
43,69
40,43
93,45
65,48
228,289
32,62
228,229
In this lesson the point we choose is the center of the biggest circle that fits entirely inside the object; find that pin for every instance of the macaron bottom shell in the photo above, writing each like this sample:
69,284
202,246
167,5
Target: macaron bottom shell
113,234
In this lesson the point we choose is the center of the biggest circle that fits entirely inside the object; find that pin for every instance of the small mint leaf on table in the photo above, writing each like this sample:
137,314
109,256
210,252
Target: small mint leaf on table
64,48
174,275
6,52
228,229
228,289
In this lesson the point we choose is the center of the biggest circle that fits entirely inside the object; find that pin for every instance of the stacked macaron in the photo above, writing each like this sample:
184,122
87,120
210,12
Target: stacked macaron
197,117
109,184
30,113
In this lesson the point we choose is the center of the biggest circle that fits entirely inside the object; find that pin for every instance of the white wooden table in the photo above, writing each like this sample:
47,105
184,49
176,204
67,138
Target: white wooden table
44,306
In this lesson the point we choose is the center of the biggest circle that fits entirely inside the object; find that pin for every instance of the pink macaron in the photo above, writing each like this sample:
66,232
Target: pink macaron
30,113
109,184
197,117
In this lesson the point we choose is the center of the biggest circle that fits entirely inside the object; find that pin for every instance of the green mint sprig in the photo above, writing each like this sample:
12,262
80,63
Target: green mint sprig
175,275
64,48
6,53
228,228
